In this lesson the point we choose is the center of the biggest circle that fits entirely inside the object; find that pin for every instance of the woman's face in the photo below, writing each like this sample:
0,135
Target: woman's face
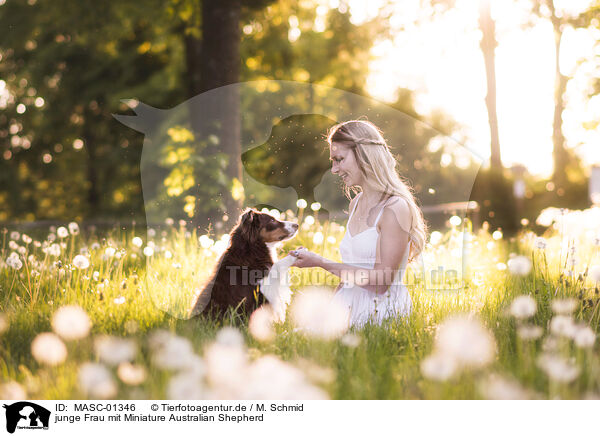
343,163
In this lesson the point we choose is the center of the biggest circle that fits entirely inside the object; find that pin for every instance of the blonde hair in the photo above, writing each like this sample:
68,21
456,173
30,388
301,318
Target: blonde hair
378,166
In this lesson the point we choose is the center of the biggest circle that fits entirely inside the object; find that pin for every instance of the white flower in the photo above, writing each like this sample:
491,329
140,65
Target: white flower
131,374
184,386
95,246
301,203
109,251
14,235
318,238
62,232
170,351
584,337
137,241
113,351
519,265
54,250
315,206
523,307
439,367
565,306
316,313
14,262
270,378
548,216
540,243
47,348
26,239
96,381
594,273
205,241
12,391
350,340
529,332
466,340
496,387
81,262
148,251
260,325
71,323
562,325
557,368
230,336
73,228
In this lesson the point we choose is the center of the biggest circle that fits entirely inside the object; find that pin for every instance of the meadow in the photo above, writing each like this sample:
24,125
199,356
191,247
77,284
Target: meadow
102,314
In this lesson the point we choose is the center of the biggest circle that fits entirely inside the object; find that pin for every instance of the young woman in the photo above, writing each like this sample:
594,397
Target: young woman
385,228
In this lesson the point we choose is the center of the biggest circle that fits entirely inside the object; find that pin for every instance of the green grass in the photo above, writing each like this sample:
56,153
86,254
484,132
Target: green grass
147,293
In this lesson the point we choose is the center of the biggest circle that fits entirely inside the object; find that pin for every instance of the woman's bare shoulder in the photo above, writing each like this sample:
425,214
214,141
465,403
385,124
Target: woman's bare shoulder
397,211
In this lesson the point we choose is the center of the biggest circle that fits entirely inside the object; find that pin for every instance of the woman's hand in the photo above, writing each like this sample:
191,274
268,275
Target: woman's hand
305,258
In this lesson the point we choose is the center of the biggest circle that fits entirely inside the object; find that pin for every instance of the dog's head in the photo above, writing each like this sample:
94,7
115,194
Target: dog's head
256,226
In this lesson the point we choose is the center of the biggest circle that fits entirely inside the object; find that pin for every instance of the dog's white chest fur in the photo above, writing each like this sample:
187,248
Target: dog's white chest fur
273,246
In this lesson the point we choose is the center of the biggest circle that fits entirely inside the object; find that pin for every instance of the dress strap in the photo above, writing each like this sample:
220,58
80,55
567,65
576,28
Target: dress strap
381,211
354,208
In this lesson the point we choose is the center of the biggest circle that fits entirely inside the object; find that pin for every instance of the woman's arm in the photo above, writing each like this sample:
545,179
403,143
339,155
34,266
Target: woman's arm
392,246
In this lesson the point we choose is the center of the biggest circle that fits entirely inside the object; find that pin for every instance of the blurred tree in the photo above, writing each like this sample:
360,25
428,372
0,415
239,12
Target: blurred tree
488,47
65,78
565,161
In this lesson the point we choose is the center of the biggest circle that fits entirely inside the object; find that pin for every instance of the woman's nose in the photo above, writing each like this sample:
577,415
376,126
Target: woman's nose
334,169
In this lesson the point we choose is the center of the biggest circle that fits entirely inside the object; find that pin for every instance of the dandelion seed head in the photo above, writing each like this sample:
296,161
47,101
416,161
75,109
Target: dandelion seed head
73,228
540,243
594,273
523,307
529,332
318,315
584,337
519,265
495,387
350,340
466,340
96,381
12,391
113,351
260,325
71,323
562,325
131,374
81,262
48,349
62,232
557,368
564,306
439,367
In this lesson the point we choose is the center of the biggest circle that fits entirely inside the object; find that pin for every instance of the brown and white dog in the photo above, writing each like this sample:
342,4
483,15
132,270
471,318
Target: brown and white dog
247,260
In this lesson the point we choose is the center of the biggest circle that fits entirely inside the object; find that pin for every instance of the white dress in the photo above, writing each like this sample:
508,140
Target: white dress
361,250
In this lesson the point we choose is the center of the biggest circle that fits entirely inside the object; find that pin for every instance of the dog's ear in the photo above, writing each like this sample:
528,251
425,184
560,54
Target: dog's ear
248,217
250,225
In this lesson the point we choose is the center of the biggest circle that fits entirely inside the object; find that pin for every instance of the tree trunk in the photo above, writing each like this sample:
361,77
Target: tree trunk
560,156
219,65
488,46
92,173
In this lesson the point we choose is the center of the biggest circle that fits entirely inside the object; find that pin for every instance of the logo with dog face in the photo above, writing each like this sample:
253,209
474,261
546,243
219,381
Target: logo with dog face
279,138
26,415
